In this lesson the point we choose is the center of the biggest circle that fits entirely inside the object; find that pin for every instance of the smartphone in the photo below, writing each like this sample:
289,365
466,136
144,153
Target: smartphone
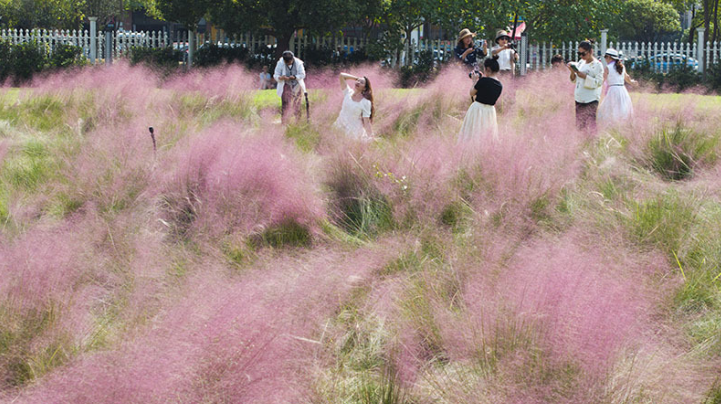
574,67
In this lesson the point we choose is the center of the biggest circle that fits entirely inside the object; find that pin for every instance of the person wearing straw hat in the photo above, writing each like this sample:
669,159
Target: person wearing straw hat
616,107
467,51
507,55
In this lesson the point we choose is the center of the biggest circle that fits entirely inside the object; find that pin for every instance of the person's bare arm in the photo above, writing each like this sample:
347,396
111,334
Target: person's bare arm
343,77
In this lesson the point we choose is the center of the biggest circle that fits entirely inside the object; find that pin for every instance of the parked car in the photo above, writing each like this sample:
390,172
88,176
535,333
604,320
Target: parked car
663,61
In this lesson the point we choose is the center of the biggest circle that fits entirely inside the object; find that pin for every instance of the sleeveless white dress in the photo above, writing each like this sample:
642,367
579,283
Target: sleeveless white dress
616,107
351,112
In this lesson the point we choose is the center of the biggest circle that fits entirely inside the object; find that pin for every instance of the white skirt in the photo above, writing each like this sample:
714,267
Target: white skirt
479,123
616,107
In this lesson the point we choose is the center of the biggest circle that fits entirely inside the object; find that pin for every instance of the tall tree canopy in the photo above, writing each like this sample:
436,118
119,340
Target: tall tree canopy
282,18
647,20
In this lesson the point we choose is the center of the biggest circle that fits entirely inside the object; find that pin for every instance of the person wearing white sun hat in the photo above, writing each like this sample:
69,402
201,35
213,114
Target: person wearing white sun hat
616,107
506,54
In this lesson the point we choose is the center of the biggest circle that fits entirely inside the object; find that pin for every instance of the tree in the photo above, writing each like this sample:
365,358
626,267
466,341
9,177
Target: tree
282,18
64,14
48,14
648,20
185,12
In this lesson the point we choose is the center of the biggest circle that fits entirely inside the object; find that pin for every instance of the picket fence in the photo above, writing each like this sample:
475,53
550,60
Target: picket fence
533,56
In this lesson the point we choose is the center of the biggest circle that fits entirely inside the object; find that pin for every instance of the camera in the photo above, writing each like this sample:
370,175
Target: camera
476,71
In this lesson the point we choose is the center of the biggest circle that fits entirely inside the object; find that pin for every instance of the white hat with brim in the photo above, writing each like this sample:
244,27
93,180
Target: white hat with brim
612,53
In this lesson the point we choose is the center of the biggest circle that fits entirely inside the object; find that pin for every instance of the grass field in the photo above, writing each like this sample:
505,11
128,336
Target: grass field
248,262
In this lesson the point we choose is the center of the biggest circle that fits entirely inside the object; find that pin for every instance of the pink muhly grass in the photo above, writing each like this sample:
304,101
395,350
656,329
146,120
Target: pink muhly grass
235,180
579,305
228,81
4,146
251,339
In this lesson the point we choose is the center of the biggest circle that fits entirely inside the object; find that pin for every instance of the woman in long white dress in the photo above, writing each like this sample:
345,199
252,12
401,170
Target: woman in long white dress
616,107
356,113
480,122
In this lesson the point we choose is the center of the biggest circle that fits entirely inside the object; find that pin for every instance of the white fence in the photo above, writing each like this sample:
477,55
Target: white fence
660,57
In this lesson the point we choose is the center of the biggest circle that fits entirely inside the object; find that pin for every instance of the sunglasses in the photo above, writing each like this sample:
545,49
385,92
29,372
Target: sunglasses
582,54
360,83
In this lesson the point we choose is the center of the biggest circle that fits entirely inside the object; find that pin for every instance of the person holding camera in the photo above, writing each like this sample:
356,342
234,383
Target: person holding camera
480,120
290,76
468,52
506,53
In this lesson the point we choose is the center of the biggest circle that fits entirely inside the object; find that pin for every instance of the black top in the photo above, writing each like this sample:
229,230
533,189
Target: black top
488,90
472,57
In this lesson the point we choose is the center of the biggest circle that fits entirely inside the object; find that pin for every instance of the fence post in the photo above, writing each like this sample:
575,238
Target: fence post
524,53
109,44
604,43
191,47
700,48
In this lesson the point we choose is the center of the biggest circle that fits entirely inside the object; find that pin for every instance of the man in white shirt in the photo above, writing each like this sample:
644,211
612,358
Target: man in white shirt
587,74
290,76
507,56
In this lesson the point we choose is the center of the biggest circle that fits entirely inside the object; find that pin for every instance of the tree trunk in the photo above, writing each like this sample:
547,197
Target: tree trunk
283,43
707,18
715,20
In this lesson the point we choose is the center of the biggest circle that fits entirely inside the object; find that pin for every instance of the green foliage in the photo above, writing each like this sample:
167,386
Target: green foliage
27,58
318,17
712,78
647,20
676,150
21,62
186,12
387,390
213,55
682,77
662,222
65,56
20,355
421,71
289,233
358,206
166,59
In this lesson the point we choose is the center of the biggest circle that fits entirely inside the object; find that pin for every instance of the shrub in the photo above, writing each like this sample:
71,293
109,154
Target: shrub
164,58
682,77
65,56
213,55
27,58
713,77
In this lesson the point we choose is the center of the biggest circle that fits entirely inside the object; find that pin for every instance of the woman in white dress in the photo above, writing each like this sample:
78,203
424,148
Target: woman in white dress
616,107
356,113
480,121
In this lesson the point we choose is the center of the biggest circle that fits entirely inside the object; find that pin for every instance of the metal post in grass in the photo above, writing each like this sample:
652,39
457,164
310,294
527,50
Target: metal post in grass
700,48
524,53
93,39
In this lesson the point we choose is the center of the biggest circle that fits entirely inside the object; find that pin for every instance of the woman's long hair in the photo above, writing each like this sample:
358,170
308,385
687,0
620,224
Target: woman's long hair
619,66
368,95
460,43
